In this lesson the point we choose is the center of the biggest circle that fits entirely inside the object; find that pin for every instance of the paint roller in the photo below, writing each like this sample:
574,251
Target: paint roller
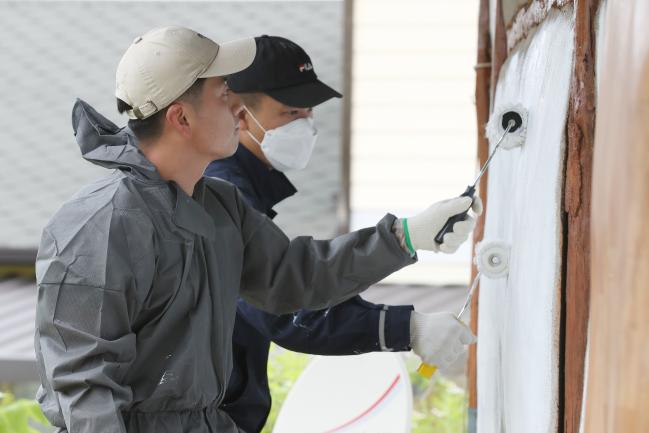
492,258
492,261
511,126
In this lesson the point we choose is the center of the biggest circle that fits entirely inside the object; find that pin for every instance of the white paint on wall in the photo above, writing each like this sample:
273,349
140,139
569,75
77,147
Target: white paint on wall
519,316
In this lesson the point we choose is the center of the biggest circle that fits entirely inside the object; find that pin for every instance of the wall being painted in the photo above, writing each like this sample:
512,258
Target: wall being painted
518,349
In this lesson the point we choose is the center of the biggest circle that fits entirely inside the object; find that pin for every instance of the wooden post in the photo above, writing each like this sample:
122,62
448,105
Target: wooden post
486,79
577,206
498,50
482,99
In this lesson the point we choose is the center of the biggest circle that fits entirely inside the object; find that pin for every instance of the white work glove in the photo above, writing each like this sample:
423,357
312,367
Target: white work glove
439,338
423,227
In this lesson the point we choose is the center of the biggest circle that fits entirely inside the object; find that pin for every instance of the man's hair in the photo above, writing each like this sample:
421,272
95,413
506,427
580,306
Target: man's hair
151,127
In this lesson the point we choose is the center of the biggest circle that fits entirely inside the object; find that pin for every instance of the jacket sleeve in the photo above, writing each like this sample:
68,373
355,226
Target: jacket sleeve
349,328
86,304
281,275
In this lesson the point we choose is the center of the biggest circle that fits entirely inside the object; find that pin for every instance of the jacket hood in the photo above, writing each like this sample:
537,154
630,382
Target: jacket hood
106,144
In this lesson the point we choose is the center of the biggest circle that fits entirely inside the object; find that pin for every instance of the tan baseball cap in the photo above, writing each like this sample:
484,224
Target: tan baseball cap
162,64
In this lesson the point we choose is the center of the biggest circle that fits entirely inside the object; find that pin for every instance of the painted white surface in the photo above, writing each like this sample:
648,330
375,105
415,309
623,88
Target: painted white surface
413,117
367,393
519,315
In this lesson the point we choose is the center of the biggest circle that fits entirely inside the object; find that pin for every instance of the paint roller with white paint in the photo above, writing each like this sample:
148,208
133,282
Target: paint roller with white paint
510,124
497,126
492,261
492,258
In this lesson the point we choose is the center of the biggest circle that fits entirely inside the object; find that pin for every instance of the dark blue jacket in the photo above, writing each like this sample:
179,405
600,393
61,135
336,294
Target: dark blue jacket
353,327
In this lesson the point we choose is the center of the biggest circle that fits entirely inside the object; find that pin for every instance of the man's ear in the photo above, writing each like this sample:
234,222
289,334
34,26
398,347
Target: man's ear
243,117
177,117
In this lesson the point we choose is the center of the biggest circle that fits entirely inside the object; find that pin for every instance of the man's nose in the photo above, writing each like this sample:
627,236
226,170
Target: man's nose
305,113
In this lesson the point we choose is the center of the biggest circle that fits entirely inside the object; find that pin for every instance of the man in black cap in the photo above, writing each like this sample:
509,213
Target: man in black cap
279,90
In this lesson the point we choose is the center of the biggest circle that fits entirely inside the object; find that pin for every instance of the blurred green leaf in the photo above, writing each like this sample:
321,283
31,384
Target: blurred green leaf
15,415
284,368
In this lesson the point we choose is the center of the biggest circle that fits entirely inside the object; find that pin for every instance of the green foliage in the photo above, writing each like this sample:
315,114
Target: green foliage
284,367
439,405
15,415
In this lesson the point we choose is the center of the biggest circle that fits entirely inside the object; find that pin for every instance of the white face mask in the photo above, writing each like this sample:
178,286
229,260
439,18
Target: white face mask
289,146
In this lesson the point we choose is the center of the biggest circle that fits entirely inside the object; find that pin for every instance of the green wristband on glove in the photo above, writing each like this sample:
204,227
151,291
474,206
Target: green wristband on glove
406,233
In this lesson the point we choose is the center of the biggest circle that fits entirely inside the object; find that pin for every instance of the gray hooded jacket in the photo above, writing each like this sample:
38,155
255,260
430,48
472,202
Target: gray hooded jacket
137,289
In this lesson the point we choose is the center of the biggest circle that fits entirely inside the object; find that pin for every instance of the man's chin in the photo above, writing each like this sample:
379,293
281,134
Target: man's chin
233,147
226,150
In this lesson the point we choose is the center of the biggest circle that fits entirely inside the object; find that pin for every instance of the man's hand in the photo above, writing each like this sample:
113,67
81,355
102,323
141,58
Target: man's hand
439,338
421,229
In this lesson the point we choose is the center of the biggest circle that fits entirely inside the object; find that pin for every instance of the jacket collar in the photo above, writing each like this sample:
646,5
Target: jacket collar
105,144
272,186
190,213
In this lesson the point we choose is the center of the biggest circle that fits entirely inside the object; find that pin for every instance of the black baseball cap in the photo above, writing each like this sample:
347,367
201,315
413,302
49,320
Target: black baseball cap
282,70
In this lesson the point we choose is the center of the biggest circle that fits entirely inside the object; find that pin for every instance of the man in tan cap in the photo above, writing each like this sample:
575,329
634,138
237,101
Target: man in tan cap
139,273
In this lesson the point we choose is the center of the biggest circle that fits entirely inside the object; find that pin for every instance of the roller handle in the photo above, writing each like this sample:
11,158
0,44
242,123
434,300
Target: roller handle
448,227
426,370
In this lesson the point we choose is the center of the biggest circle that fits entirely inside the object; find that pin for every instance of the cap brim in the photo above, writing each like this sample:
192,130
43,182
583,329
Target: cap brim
305,95
233,56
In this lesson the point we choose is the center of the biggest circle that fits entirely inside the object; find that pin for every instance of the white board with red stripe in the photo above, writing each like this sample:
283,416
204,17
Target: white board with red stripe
368,393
